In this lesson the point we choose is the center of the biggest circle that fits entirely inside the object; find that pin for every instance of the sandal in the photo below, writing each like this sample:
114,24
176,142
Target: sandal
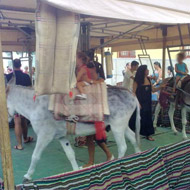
29,139
16,147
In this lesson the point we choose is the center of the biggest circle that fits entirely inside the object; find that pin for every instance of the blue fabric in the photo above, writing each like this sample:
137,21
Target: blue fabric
21,78
182,68
155,75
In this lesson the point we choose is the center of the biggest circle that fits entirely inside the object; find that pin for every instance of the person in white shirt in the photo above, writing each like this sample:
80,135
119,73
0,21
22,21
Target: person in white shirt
130,75
127,67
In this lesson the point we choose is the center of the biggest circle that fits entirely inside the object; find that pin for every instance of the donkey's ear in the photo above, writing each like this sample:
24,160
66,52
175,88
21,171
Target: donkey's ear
12,81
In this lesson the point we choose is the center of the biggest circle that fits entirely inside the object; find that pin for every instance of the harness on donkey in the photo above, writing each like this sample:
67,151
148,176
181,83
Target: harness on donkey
167,94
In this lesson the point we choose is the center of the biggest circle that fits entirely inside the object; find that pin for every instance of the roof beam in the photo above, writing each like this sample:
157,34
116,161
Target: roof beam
17,9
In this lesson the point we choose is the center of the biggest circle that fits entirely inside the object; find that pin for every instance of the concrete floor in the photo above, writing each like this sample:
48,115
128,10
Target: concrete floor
54,161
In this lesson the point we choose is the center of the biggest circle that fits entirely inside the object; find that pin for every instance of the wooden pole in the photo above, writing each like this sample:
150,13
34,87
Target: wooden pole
4,133
102,52
164,34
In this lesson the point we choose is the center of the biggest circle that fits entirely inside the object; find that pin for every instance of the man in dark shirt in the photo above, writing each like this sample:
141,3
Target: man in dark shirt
21,128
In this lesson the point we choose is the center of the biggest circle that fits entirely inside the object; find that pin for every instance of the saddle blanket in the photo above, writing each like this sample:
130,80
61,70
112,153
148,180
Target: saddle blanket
92,109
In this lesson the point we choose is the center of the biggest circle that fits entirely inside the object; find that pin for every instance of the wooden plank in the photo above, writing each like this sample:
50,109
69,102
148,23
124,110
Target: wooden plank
4,133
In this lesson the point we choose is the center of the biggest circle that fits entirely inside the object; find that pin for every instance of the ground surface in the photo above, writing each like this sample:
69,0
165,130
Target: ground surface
54,161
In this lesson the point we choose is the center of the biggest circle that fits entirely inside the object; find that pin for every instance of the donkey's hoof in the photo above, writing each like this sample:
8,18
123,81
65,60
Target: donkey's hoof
25,180
176,132
185,138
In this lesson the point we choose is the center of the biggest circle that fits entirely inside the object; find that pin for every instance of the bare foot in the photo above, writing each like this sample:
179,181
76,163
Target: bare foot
88,165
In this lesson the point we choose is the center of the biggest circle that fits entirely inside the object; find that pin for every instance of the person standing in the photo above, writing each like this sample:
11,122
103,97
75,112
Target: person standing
143,89
127,66
170,71
21,128
158,74
26,70
130,75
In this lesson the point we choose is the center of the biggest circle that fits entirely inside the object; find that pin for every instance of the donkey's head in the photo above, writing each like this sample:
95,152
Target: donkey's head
186,96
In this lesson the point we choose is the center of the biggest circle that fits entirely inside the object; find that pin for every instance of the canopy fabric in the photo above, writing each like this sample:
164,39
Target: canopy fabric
159,11
107,19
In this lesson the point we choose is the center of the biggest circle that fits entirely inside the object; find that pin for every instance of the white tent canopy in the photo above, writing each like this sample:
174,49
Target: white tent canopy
107,18
159,11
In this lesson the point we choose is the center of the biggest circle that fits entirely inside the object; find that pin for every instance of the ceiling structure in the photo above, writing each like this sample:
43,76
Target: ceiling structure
17,23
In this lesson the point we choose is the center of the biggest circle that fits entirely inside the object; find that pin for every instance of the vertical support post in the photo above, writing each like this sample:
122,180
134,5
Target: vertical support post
85,36
164,34
102,52
4,133
30,59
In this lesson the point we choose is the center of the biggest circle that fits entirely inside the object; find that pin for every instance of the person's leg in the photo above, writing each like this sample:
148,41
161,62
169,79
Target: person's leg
91,150
175,83
18,132
104,147
80,86
25,130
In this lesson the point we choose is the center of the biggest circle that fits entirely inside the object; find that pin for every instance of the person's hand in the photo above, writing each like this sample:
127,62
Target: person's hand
163,85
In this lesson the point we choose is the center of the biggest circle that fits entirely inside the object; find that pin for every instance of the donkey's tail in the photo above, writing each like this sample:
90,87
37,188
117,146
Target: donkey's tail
138,125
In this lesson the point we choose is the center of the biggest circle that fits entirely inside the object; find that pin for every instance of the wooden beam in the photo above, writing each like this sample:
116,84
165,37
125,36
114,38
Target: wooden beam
4,133
17,9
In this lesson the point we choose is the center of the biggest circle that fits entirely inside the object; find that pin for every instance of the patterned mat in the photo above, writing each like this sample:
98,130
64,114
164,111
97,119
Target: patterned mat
160,168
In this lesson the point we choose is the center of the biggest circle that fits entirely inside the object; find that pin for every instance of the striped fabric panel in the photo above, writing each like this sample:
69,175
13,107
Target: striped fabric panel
177,164
161,168
134,172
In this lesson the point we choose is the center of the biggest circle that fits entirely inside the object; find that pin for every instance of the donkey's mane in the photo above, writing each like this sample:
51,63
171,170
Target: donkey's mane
118,88
23,87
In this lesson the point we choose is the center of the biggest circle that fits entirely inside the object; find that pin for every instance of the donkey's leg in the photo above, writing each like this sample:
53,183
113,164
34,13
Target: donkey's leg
69,152
118,130
131,136
157,111
171,117
184,122
42,142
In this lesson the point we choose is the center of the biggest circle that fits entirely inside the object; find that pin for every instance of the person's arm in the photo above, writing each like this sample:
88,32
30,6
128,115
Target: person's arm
28,79
159,78
80,74
134,87
163,85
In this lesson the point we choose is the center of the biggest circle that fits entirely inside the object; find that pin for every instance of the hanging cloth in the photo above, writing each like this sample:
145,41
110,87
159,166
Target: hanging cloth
57,33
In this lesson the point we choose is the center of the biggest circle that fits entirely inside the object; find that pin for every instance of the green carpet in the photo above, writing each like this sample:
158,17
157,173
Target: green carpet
54,161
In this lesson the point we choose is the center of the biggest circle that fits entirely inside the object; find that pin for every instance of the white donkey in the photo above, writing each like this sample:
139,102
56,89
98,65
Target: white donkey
185,107
122,104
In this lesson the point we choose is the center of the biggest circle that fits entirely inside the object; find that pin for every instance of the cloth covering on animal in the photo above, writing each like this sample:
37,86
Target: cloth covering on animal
57,33
90,110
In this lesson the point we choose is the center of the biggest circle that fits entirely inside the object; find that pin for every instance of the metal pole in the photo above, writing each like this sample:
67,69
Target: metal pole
4,134
170,60
117,37
164,34
102,52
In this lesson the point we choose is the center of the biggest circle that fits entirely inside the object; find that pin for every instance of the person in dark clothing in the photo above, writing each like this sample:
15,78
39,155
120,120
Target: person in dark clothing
143,90
21,128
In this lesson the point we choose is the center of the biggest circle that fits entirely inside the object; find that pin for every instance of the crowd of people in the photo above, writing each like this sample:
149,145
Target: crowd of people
145,86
